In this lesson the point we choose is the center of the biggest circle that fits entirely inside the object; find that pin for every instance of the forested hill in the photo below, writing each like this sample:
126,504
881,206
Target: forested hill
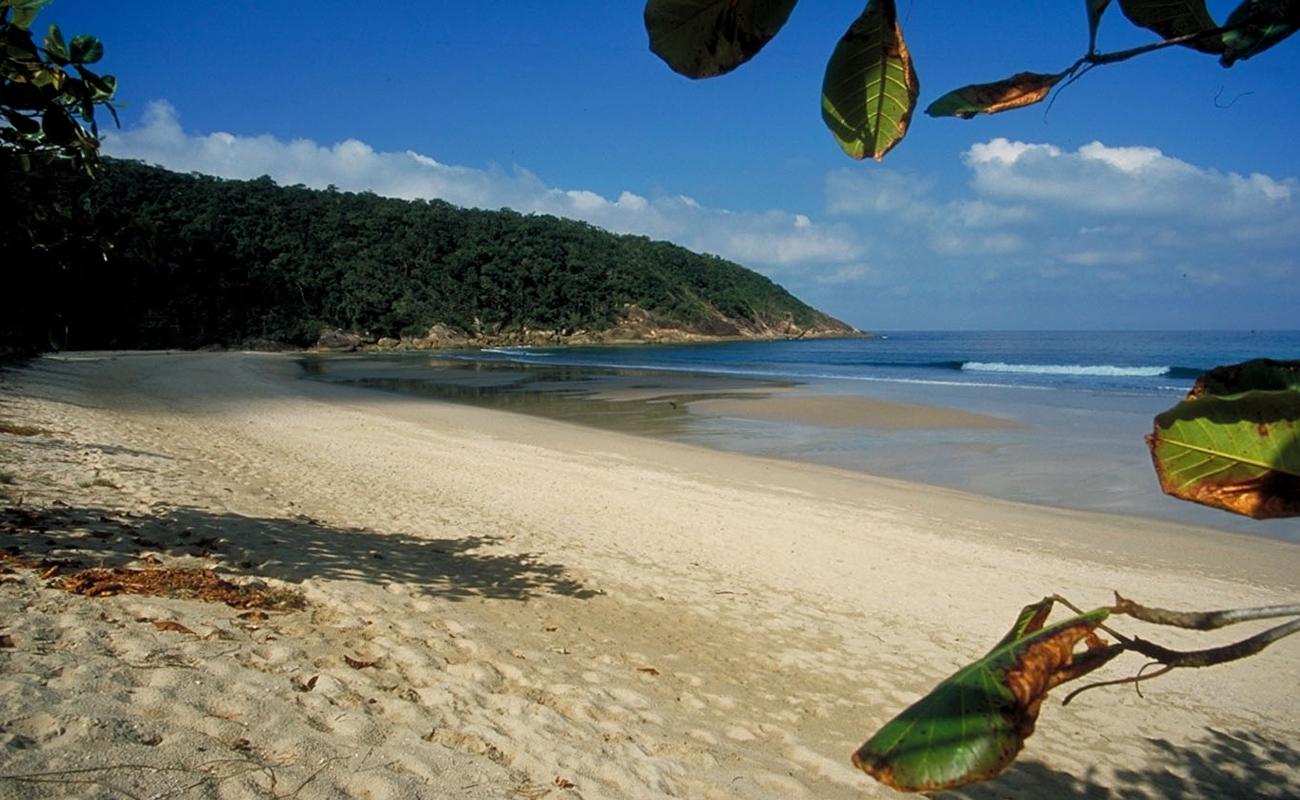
198,261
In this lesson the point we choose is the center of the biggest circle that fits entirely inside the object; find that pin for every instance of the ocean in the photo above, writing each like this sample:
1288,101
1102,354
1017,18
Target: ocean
1081,402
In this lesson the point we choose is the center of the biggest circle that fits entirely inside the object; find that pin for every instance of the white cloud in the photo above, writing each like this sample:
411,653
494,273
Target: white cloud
849,273
1133,181
775,239
875,191
1044,236
1092,258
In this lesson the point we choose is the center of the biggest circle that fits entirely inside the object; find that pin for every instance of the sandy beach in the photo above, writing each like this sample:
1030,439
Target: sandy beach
545,610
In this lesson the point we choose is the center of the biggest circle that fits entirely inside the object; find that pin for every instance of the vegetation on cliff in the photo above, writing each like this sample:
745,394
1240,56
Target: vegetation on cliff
193,260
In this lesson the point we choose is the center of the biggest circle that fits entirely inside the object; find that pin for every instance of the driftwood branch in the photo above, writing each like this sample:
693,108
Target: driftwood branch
1200,620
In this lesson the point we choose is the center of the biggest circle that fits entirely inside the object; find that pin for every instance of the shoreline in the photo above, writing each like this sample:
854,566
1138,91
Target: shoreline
633,616
1049,450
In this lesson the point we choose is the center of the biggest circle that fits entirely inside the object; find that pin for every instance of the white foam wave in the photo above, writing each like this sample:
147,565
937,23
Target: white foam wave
779,374
521,351
1091,370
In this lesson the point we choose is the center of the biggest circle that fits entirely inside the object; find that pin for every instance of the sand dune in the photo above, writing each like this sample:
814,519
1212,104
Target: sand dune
542,610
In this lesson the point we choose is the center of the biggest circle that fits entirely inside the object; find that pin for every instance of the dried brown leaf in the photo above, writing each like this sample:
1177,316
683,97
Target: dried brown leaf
299,685
196,584
172,625
1021,89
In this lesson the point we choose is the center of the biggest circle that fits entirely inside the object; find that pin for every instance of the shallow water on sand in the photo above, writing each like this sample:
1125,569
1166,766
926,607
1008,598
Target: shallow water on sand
1076,448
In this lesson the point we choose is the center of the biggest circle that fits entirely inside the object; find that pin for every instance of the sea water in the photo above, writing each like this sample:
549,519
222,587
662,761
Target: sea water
1083,402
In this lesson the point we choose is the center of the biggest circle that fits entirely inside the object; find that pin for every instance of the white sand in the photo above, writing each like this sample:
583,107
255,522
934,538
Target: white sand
550,605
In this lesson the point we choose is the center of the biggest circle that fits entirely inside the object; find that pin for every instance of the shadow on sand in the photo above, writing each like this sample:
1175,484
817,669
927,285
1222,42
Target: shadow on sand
289,549
1220,765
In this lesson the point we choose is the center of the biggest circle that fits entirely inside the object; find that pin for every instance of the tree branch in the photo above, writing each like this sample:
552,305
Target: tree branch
1125,55
1214,655
1200,620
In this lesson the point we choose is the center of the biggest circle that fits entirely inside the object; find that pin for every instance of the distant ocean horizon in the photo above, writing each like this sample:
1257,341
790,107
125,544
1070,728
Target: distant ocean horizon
1108,361
1083,401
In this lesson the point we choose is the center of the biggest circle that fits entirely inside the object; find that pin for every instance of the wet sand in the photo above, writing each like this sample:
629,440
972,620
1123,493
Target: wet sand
847,412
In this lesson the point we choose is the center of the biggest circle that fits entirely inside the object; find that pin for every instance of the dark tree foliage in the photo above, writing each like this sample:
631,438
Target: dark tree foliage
196,261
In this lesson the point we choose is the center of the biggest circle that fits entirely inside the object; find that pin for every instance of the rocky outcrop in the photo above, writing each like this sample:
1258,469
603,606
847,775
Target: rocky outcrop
636,325
336,341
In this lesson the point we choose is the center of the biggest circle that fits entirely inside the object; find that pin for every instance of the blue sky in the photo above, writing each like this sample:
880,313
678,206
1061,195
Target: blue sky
1160,193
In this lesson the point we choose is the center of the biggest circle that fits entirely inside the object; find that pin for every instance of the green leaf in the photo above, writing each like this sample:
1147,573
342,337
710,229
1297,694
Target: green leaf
704,38
1258,25
1239,452
24,11
86,49
971,726
17,50
870,87
23,124
58,127
25,96
1021,89
1174,18
1095,9
1259,374
55,47
102,87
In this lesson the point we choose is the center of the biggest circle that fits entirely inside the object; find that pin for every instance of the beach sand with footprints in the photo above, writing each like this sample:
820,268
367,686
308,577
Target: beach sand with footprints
462,602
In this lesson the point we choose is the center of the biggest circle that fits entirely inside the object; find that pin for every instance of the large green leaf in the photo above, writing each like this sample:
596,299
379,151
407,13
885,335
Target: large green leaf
1173,18
1021,89
1258,25
703,38
971,726
1238,452
870,87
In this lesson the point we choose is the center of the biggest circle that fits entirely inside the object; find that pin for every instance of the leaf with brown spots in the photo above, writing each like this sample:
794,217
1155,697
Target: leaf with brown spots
870,87
1021,89
971,726
1235,443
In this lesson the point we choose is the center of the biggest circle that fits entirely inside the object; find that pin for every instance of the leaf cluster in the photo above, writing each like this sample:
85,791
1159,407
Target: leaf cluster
871,87
48,92
199,261
972,725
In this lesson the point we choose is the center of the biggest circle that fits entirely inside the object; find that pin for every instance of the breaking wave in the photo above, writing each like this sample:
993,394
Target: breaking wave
1089,370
